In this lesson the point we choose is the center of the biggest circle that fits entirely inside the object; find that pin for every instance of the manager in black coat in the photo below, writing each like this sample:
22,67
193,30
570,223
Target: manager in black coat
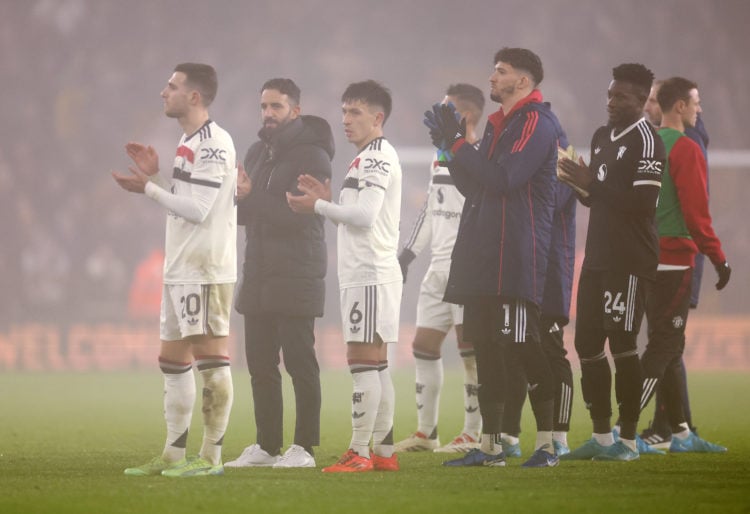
283,287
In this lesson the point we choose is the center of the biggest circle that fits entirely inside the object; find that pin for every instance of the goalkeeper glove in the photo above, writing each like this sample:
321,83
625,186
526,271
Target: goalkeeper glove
454,128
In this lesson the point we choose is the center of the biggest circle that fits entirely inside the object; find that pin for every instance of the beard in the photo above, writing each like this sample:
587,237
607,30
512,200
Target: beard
503,92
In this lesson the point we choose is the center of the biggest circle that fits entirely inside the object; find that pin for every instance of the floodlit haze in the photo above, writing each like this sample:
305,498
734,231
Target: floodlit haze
82,78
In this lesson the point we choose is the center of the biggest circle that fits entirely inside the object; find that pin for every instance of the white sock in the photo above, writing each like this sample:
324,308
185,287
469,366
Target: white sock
179,398
365,402
382,434
630,443
472,416
509,439
605,439
429,378
218,395
544,438
560,437
684,433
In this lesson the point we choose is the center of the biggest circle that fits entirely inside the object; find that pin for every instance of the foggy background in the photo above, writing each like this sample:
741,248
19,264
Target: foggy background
82,77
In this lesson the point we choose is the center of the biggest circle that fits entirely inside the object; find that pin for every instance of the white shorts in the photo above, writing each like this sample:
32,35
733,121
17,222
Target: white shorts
432,311
370,310
195,309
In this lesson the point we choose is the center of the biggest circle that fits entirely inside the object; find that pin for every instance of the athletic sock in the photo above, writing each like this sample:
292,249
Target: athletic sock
218,395
365,402
382,433
560,437
429,382
630,443
604,439
544,440
509,439
472,416
684,433
179,398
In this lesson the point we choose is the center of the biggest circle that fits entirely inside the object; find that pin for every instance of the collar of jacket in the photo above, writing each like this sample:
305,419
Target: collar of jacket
499,118
279,139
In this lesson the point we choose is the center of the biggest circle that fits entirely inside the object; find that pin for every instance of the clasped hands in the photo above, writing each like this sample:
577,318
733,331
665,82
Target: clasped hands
446,127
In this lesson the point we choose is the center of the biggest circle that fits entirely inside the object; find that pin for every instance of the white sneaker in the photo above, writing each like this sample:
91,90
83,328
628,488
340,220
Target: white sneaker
295,457
417,442
464,443
253,456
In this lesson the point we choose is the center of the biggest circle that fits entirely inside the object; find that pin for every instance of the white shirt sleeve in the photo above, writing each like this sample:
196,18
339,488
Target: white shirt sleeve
361,214
193,208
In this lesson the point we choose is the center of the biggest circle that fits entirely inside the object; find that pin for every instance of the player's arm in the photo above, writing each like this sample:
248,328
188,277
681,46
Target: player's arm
420,237
211,168
510,171
687,168
360,214
641,198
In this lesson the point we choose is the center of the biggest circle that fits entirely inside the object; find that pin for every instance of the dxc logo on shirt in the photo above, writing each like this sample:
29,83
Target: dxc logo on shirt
377,165
213,154
650,166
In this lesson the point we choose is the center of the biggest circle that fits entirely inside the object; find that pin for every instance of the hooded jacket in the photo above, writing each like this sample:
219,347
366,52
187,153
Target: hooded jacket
285,254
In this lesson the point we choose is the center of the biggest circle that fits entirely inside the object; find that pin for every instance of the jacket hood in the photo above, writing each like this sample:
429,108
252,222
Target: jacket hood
306,129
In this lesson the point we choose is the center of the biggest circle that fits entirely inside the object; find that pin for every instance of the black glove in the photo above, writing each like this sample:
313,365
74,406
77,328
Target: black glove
724,272
454,128
404,259
432,121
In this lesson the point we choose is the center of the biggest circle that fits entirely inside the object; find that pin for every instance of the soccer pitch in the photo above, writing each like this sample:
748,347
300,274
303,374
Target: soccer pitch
66,438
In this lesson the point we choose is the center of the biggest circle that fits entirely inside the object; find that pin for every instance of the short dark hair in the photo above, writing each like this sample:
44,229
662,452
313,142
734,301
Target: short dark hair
372,93
635,74
672,90
285,87
522,59
201,77
467,93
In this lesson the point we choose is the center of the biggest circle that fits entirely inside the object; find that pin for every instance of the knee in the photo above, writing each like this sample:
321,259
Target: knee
623,344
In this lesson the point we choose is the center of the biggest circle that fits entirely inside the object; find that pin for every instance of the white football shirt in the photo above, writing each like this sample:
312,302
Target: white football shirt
368,216
437,223
201,236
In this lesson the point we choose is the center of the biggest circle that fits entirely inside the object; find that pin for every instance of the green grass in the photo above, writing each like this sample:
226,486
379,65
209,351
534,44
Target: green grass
65,439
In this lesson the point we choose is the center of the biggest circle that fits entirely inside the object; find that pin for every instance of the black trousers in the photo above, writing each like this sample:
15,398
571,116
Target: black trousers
516,384
667,307
610,307
265,337
505,331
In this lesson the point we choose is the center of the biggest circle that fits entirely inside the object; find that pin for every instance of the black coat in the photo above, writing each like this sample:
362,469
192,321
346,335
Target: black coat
285,257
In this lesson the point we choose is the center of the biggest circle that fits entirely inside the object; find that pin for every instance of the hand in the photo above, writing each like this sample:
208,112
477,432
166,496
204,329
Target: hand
307,184
432,122
724,272
576,175
404,259
244,184
454,127
312,190
135,183
145,157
